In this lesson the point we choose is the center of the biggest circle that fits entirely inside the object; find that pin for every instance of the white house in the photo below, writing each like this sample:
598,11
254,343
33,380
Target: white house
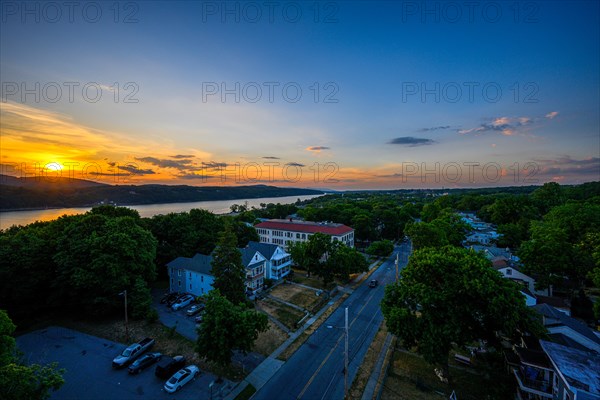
510,272
255,264
285,232
278,261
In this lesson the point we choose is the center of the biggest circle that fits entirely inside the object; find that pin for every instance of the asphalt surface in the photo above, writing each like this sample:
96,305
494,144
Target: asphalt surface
89,374
316,370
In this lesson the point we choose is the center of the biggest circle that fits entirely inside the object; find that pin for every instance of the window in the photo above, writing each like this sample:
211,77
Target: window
190,275
190,287
297,236
202,278
179,283
178,272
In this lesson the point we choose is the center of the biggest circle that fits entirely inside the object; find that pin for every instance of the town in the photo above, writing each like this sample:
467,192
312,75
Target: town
270,303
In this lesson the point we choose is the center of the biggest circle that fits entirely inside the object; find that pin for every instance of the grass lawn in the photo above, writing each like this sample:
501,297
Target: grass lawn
269,340
411,378
368,364
297,295
285,314
246,393
312,281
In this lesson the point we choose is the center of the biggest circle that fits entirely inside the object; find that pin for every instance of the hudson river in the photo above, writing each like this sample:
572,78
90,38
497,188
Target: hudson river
9,218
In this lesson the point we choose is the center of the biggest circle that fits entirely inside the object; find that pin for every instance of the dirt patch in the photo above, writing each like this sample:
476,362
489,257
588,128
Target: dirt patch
298,295
302,337
285,314
269,340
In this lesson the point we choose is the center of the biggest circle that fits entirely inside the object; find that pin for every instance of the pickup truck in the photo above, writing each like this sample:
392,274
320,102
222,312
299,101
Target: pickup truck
132,352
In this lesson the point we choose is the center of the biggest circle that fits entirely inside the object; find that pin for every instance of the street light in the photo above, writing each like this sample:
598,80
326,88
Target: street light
124,293
345,351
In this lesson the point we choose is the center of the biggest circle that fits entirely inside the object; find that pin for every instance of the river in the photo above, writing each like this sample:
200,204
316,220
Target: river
10,218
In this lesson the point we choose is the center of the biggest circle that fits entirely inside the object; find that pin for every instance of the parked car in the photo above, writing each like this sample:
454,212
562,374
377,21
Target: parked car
199,318
144,362
181,377
132,352
182,302
373,283
195,309
167,366
169,297
176,298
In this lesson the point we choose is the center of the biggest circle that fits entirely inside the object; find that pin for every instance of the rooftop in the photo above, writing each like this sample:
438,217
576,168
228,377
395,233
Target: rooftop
581,369
329,228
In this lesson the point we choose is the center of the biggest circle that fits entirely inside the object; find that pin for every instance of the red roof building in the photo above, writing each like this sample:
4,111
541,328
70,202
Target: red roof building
285,232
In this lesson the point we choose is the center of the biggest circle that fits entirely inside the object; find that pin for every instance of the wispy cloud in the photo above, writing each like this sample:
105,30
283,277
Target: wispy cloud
135,170
507,126
564,167
295,164
182,164
434,128
317,148
552,114
410,141
271,158
180,156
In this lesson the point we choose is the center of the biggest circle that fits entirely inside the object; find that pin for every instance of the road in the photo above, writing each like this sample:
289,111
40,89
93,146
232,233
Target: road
316,370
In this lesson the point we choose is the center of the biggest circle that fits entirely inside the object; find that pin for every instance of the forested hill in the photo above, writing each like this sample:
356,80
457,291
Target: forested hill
15,195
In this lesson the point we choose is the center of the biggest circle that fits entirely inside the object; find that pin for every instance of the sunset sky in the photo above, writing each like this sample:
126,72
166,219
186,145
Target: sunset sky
372,95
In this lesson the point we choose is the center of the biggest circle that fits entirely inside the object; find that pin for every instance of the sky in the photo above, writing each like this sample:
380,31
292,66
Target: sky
340,95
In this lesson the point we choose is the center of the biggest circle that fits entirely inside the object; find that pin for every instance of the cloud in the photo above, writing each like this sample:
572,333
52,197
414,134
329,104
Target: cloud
295,164
135,170
412,141
317,148
214,165
507,126
565,166
165,163
180,156
271,158
194,176
395,175
552,114
435,128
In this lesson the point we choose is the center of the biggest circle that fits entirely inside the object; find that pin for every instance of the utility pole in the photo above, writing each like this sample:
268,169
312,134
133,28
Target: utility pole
124,293
346,355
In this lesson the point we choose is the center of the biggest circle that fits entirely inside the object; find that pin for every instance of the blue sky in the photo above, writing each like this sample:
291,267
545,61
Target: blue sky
362,68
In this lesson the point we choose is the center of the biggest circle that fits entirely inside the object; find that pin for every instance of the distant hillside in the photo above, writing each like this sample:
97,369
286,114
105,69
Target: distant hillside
18,194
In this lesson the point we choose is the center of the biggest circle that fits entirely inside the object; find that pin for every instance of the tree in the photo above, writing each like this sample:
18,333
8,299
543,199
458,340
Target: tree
424,234
382,248
341,262
227,268
98,257
227,327
452,296
140,299
19,381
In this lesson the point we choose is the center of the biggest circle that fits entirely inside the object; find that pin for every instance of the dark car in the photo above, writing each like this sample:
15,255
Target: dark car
144,362
169,297
168,366
373,283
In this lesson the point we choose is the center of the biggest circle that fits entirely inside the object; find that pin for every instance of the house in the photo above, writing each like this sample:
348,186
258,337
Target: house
567,330
577,372
566,366
255,264
511,271
278,261
194,275
484,237
191,275
562,305
287,231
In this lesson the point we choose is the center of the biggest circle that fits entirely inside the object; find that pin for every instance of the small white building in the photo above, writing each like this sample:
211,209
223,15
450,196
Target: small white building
278,261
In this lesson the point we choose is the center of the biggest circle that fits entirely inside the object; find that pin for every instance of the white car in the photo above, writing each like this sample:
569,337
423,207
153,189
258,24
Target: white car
182,302
181,377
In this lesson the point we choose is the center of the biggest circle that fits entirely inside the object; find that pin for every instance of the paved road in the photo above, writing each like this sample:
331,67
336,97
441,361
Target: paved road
316,370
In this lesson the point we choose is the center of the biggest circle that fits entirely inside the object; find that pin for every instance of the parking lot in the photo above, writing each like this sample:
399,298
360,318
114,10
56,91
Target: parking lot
89,374
187,327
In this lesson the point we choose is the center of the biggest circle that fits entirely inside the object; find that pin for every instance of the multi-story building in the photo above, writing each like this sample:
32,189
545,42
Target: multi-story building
287,231
194,275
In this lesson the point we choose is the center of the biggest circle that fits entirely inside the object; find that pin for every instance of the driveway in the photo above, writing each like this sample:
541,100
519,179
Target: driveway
89,374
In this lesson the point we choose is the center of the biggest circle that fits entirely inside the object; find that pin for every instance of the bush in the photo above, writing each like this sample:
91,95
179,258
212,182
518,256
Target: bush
382,248
152,316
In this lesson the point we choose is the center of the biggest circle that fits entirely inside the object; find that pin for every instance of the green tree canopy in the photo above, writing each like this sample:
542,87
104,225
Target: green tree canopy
17,380
227,327
452,296
227,268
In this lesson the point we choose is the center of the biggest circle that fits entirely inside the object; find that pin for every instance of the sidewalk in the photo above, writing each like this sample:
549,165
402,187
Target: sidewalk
371,391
